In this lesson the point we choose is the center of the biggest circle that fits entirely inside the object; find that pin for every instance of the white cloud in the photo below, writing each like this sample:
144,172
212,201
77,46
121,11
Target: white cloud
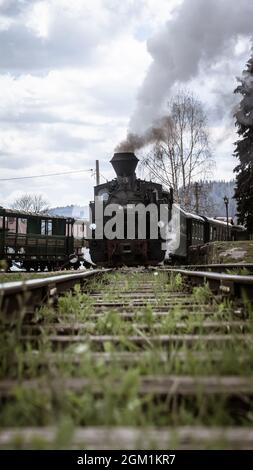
69,76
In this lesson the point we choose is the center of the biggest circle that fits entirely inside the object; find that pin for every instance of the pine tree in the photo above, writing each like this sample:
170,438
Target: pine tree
244,149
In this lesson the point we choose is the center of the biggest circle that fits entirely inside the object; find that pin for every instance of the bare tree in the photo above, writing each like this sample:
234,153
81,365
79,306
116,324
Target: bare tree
31,203
181,152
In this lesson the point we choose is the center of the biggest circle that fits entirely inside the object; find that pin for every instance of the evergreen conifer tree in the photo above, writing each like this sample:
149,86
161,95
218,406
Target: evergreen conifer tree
244,149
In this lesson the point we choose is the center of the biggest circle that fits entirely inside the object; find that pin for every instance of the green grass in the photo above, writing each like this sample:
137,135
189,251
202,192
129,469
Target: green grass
238,271
24,276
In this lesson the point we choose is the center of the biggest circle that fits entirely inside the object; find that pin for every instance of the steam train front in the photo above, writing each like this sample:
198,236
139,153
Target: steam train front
126,217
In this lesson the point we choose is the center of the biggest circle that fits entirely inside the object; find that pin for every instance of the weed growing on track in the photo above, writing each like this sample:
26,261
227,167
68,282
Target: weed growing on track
238,271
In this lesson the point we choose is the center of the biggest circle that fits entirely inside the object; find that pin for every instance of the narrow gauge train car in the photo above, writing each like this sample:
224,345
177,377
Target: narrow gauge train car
191,231
196,230
38,241
124,191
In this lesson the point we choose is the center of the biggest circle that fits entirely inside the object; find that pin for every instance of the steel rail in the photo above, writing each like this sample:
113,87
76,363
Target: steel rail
228,284
219,267
19,296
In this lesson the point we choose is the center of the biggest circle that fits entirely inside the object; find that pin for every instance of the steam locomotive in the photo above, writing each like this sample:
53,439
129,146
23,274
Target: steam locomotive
124,192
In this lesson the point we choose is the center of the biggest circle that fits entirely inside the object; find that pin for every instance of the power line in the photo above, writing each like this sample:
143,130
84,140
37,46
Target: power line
106,179
43,176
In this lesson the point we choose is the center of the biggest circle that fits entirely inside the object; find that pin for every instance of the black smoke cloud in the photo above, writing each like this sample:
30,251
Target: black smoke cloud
153,134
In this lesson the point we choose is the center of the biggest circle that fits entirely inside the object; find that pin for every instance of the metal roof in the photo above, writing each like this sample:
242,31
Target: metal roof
20,213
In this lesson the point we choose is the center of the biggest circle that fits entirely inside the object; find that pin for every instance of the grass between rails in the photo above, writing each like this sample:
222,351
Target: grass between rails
123,405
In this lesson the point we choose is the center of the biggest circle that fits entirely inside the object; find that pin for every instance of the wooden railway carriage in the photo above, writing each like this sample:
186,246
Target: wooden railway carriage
196,231
38,241
192,232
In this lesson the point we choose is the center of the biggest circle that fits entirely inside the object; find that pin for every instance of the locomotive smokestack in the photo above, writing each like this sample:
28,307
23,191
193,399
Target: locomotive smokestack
124,163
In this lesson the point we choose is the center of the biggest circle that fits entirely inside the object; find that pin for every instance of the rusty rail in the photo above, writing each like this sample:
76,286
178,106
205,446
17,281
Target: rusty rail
227,284
221,267
22,295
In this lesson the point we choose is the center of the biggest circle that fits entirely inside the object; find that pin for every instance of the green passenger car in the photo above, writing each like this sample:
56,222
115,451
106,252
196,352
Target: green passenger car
38,241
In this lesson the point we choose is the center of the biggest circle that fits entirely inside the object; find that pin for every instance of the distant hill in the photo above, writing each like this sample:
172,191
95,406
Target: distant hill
211,201
216,191
78,212
211,198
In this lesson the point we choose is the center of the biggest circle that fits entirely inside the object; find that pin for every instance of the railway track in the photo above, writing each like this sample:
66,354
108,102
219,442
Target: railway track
127,359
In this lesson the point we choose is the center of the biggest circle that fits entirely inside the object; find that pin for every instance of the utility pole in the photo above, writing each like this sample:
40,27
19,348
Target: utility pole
226,200
197,196
97,173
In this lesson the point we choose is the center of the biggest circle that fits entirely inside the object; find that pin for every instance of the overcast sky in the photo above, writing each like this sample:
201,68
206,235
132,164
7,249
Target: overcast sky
76,74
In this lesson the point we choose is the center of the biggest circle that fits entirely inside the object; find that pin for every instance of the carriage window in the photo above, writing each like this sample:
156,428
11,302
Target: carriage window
11,224
197,230
69,230
201,232
85,230
75,230
43,227
1,221
22,226
193,230
79,230
46,227
49,227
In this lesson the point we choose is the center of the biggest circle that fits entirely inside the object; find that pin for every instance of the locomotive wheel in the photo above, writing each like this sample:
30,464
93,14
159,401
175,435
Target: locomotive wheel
42,266
27,268
35,267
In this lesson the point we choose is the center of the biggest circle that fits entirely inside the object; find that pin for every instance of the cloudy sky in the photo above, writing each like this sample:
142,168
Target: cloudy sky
76,75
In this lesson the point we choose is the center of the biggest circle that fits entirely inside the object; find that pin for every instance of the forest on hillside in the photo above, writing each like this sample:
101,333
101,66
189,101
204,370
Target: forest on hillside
210,196
211,201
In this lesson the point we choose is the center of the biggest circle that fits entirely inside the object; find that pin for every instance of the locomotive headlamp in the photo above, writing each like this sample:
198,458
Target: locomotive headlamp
161,224
104,195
